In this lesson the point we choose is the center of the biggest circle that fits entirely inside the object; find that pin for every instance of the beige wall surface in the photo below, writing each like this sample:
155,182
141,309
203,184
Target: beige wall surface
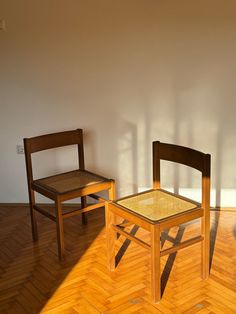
128,72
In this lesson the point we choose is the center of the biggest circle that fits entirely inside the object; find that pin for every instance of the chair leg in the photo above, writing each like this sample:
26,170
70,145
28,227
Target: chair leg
60,229
112,191
112,196
111,238
32,215
155,264
83,205
205,245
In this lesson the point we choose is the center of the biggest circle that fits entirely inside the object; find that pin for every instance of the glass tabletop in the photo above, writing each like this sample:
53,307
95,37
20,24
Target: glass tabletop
156,205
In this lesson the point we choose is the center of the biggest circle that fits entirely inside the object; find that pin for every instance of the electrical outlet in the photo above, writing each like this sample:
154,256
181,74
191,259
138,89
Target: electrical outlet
2,25
20,149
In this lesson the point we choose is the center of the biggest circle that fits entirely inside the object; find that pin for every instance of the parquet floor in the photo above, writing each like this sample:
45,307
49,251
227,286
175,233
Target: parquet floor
32,280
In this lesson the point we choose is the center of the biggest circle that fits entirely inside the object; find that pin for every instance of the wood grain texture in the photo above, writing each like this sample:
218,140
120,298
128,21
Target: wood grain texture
63,186
161,210
32,280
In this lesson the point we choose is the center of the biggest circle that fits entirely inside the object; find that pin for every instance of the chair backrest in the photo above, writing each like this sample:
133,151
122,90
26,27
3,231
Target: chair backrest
53,140
185,156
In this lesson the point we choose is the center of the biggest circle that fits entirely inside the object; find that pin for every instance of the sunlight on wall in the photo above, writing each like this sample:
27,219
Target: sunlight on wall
128,73
135,169
127,159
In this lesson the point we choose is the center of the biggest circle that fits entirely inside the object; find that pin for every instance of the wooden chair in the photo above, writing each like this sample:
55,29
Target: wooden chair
63,186
156,210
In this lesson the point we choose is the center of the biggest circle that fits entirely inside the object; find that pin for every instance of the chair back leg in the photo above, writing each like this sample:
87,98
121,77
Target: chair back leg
32,215
205,245
111,191
83,205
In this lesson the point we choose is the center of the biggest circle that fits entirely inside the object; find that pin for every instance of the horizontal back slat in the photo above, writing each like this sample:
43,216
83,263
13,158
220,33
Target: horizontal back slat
48,141
180,154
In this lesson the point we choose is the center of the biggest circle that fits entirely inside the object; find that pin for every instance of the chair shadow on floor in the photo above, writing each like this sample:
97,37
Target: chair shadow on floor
215,214
40,273
171,258
32,271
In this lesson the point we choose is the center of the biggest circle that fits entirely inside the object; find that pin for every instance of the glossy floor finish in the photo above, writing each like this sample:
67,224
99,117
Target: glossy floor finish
32,280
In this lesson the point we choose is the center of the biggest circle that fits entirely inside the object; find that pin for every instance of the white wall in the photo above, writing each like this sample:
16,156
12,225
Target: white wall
128,72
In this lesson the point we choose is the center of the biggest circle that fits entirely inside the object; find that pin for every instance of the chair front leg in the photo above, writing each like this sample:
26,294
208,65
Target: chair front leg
155,263
110,237
60,229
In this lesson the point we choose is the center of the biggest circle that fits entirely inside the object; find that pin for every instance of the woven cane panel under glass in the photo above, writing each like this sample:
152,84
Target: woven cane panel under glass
69,181
156,205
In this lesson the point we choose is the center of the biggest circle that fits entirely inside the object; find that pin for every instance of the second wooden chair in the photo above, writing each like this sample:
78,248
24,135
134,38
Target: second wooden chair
64,186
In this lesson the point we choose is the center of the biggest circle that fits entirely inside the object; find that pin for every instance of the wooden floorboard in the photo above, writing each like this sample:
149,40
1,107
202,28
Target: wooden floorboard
32,280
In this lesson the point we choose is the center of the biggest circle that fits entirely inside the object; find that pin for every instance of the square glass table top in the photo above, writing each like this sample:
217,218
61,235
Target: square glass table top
156,204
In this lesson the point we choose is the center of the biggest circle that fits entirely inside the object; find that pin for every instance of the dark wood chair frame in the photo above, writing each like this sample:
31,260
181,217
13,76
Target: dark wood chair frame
114,213
55,140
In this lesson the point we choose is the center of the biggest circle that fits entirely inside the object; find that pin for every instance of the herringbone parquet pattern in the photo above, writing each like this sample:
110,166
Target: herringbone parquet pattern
32,280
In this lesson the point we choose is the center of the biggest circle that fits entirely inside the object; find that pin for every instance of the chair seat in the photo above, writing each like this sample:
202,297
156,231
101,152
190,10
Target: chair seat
69,181
156,205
